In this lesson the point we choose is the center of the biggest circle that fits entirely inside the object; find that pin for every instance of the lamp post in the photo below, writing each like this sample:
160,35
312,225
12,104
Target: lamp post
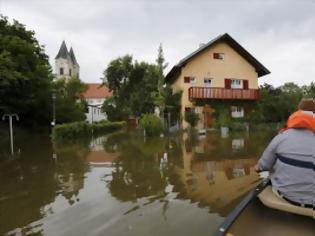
53,123
11,128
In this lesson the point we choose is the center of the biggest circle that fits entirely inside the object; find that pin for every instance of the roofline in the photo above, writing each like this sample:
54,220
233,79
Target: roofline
260,68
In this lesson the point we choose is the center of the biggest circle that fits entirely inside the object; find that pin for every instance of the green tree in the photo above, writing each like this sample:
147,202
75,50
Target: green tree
309,91
160,61
133,84
70,105
172,101
25,74
192,118
276,104
160,95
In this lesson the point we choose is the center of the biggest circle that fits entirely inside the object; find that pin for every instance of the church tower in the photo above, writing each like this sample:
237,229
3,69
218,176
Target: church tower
66,65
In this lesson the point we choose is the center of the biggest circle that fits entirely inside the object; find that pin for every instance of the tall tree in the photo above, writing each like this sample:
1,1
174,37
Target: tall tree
70,105
133,84
25,74
160,61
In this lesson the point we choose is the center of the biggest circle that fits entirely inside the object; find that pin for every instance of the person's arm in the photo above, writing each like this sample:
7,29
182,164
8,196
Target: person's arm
268,158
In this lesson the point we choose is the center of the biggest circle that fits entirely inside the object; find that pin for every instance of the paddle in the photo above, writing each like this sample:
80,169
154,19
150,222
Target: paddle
222,230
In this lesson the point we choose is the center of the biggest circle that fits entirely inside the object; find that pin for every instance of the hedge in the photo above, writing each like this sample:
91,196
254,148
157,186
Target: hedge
83,129
151,124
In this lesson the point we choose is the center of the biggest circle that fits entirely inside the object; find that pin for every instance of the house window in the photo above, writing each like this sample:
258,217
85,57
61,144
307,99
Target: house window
237,112
207,82
193,80
218,56
190,109
186,79
190,79
61,71
70,72
187,109
236,84
237,144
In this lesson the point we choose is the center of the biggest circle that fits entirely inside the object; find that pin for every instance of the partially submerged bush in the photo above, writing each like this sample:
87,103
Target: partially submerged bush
81,129
224,119
191,118
151,124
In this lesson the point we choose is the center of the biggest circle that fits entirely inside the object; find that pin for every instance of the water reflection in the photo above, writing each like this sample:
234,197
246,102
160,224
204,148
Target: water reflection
126,178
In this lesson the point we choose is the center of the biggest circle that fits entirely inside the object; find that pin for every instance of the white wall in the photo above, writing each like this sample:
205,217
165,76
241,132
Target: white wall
94,110
66,65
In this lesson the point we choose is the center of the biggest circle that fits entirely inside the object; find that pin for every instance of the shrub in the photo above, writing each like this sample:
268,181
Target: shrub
224,119
151,124
81,129
192,118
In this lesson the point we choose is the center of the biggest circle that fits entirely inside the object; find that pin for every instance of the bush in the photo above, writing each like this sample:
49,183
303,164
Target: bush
151,124
81,129
224,119
192,118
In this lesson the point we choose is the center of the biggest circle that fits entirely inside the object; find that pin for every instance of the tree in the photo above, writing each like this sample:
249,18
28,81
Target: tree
172,103
162,91
25,74
276,104
160,61
192,118
133,84
70,105
309,91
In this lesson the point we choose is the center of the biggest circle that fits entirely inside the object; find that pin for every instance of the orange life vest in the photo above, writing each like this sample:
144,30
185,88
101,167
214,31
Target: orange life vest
300,120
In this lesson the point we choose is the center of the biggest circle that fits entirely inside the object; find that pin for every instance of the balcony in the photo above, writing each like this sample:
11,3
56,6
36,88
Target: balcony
222,93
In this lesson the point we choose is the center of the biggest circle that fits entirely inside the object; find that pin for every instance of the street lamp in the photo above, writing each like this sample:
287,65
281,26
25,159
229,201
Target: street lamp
53,123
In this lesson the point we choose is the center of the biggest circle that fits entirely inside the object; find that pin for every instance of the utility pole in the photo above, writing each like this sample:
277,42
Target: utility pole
11,128
53,123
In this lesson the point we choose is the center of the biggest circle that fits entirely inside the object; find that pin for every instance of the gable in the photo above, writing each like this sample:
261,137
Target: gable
226,38
233,63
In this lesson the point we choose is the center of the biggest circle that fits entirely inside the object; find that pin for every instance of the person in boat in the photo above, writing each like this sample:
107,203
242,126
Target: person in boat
290,157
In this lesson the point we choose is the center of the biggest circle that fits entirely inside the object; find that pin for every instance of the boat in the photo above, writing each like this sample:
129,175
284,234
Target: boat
262,213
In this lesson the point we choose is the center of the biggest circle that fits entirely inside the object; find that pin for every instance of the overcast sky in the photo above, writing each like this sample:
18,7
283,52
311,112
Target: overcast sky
280,34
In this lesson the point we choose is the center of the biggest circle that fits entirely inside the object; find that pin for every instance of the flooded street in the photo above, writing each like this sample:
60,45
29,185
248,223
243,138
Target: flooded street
124,184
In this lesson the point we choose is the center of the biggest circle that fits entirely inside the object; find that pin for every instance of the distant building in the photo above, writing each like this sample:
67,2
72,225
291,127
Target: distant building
66,65
218,72
95,95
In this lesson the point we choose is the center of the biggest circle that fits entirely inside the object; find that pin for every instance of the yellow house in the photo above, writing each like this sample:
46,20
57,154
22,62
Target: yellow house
218,72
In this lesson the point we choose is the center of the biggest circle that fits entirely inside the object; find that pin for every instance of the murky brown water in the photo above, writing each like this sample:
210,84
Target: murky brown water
121,184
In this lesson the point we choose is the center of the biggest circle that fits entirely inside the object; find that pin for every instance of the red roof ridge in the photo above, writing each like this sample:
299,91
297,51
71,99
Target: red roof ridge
96,90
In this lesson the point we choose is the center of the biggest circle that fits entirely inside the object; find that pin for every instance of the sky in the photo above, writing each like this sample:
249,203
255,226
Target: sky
279,33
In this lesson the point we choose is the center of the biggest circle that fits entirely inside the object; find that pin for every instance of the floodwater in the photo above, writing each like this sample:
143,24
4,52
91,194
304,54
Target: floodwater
124,184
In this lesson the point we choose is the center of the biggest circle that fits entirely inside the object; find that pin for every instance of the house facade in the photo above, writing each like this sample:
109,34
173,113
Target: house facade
95,95
220,73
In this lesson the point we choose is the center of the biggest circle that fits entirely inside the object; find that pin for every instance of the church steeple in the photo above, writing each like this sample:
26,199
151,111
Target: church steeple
63,51
66,65
72,56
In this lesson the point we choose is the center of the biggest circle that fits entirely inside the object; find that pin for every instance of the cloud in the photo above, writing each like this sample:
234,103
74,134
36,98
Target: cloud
278,33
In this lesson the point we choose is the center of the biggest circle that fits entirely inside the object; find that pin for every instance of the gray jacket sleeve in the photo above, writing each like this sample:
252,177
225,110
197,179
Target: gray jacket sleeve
268,158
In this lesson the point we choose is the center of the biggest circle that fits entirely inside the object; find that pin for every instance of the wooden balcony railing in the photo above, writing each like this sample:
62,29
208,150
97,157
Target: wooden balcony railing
222,93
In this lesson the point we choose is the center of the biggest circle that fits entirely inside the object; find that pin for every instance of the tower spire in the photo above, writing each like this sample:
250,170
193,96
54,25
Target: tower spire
72,56
63,51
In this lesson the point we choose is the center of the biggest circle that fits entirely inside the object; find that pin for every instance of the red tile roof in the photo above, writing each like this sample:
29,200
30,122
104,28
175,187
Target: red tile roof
97,91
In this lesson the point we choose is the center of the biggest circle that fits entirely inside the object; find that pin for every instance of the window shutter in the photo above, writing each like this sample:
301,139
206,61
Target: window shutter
245,84
187,109
227,83
186,79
